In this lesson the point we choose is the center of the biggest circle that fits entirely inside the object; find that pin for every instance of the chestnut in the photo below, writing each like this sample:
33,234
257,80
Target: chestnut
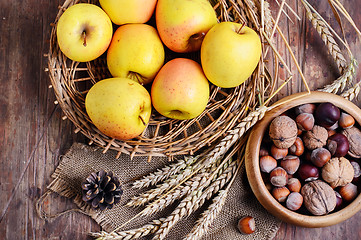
297,148
320,156
346,120
247,225
348,192
280,193
305,108
305,121
338,145
278,153
356,170
294,185
278,177
308,172
267,164
327,114
290,164
294,201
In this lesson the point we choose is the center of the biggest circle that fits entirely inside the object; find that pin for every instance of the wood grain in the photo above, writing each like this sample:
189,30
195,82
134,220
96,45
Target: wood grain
33,136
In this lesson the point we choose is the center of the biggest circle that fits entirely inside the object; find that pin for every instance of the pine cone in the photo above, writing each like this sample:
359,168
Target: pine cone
101,190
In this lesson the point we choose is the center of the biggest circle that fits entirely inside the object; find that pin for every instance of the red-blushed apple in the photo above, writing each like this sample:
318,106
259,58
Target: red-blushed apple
230,53
84,32
136,52
180,89
182,24
128,11
119,107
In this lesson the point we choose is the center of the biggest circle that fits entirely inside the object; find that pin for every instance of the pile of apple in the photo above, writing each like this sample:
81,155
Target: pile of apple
120,107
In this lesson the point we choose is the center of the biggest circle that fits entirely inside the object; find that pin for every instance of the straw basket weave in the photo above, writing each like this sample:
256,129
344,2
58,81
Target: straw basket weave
162,137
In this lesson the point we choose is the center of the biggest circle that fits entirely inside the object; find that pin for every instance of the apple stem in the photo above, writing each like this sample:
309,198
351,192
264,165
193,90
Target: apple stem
84,37
142,120
240,29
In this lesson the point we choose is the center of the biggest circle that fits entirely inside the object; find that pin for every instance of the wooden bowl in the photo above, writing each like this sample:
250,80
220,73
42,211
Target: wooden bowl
254,173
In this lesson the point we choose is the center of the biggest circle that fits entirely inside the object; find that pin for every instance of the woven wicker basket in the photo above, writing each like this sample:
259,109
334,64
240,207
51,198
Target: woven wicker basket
162,137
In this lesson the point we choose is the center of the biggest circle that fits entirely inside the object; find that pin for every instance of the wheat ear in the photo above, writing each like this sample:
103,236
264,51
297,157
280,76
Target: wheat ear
346,78
146,230
164,173
327,38
353,92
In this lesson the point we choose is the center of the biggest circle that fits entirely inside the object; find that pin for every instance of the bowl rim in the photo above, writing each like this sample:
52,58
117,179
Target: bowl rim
252,161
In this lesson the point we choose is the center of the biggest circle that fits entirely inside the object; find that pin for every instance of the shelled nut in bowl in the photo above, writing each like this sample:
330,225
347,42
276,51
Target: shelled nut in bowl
333,212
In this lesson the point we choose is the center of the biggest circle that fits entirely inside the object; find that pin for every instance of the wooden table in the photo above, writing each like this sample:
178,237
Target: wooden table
33,134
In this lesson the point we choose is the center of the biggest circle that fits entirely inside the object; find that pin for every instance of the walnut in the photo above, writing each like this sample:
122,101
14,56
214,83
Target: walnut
319,197
315,138
283,131
353,135
338,172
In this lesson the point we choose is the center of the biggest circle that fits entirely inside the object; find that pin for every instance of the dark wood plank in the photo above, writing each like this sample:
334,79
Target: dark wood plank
33,136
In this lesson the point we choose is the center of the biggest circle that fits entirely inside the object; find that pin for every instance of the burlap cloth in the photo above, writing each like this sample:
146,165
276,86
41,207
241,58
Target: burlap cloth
80,160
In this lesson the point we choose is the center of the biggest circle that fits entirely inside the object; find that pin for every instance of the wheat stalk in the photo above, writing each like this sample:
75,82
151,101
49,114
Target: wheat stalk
213,210
146,230
343,80
327,38
164,173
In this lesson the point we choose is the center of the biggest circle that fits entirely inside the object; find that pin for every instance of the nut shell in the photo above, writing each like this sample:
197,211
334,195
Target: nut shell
338,172
353,135
315,138
283,131
318,197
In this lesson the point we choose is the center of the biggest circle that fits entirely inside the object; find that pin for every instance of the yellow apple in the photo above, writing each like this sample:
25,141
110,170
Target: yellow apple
128,11
84,32
180,89
182,24
230,53
119,107
136,52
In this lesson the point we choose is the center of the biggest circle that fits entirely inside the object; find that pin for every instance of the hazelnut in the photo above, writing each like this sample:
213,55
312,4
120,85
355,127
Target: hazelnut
331,132
315,138
278,177
247,225
294,185
318,197
305,108
280,193
327,114
278,153
356,169
338,172
263,151
290,164
283,131
294,201
338,201
320,156
267,164
346,120
338,145
308,172
297,148
305,121
348,192
353,135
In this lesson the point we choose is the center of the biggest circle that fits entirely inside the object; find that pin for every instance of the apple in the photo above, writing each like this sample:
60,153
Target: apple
136,52
182,24
84,32
230,53
180,89
128,11
119,107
